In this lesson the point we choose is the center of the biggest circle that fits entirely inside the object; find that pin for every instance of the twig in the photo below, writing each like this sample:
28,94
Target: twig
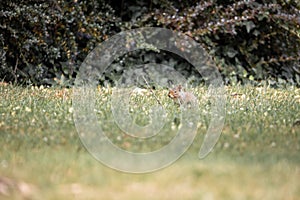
15,70
236,94
151,91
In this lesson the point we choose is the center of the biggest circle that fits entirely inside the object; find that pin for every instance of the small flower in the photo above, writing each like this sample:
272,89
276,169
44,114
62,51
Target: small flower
273,144
27,109
71,109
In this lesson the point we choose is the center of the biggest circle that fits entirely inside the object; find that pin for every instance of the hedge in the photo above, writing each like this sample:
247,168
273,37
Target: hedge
251,41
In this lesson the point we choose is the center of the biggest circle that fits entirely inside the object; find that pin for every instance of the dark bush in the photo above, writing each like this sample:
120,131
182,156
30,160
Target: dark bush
250,40
43,40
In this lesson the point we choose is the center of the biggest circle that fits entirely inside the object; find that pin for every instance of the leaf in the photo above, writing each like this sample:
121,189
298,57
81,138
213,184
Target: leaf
249,26
231,52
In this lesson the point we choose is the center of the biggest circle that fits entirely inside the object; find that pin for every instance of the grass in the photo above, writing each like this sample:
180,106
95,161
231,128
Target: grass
257,156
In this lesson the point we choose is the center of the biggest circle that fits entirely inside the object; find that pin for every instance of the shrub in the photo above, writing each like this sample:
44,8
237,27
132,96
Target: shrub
252,40
42,40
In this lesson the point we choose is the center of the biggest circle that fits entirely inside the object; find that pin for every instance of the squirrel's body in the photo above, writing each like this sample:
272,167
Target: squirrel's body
182,97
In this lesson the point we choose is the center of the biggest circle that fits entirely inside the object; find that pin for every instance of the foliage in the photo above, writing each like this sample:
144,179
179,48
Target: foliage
42,40
250,40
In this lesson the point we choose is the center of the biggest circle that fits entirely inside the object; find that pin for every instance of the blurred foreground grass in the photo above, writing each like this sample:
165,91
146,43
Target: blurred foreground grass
257,156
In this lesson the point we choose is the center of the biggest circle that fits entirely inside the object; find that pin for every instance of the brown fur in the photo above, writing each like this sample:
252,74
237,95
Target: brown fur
182,97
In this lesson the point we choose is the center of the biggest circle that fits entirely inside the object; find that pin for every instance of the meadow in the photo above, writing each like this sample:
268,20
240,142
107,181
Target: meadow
256,157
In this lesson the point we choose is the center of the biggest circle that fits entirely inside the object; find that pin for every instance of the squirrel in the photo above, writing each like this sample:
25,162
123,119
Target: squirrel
182,97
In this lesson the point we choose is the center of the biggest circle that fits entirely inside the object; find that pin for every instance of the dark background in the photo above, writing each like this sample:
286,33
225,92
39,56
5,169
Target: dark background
44,42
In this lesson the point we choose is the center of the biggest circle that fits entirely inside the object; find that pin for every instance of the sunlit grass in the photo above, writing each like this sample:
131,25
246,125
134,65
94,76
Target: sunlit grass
257,156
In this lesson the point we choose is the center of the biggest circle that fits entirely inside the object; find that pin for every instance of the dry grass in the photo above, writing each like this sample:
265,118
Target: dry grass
257,156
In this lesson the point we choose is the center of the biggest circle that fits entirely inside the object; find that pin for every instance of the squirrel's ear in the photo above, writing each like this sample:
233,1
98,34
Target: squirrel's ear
179,87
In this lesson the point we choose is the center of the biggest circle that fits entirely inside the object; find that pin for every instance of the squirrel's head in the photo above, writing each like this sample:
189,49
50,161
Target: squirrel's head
174,92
